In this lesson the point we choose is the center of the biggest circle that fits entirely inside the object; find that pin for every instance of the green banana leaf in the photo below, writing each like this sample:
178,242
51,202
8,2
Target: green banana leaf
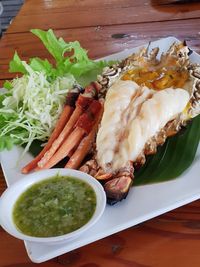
35,148
171,159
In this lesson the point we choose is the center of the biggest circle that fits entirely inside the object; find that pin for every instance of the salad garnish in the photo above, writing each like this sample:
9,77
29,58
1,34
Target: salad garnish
32,103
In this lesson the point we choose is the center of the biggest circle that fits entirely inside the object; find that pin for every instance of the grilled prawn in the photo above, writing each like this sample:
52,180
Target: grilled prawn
147,100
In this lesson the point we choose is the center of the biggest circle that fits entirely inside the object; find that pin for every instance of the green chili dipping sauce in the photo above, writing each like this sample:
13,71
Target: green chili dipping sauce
55,206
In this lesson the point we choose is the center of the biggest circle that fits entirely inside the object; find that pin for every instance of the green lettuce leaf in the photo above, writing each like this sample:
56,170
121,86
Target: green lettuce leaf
7,85
38,64
16,65
56,47
69,57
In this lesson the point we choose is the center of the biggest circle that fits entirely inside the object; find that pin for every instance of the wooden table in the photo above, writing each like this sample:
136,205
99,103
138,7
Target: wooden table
104,27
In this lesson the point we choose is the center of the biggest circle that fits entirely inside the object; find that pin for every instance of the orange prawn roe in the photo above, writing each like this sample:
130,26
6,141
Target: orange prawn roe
157,79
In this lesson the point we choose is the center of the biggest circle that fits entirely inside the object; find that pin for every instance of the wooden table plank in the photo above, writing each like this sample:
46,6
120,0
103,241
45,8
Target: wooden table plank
100,41
62,14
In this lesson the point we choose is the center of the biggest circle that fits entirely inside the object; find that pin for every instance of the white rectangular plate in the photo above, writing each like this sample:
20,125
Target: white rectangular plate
142,203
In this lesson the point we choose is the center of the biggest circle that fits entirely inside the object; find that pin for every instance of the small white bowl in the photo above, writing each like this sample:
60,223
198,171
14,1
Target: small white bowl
10,196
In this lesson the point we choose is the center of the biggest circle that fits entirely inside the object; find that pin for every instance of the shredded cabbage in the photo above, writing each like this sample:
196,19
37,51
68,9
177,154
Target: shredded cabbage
33,106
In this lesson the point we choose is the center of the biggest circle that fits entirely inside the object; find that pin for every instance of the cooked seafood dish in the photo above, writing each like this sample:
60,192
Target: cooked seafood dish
124,116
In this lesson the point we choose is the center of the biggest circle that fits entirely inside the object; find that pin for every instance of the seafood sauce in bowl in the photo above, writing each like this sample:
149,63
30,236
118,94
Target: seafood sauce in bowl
52,205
